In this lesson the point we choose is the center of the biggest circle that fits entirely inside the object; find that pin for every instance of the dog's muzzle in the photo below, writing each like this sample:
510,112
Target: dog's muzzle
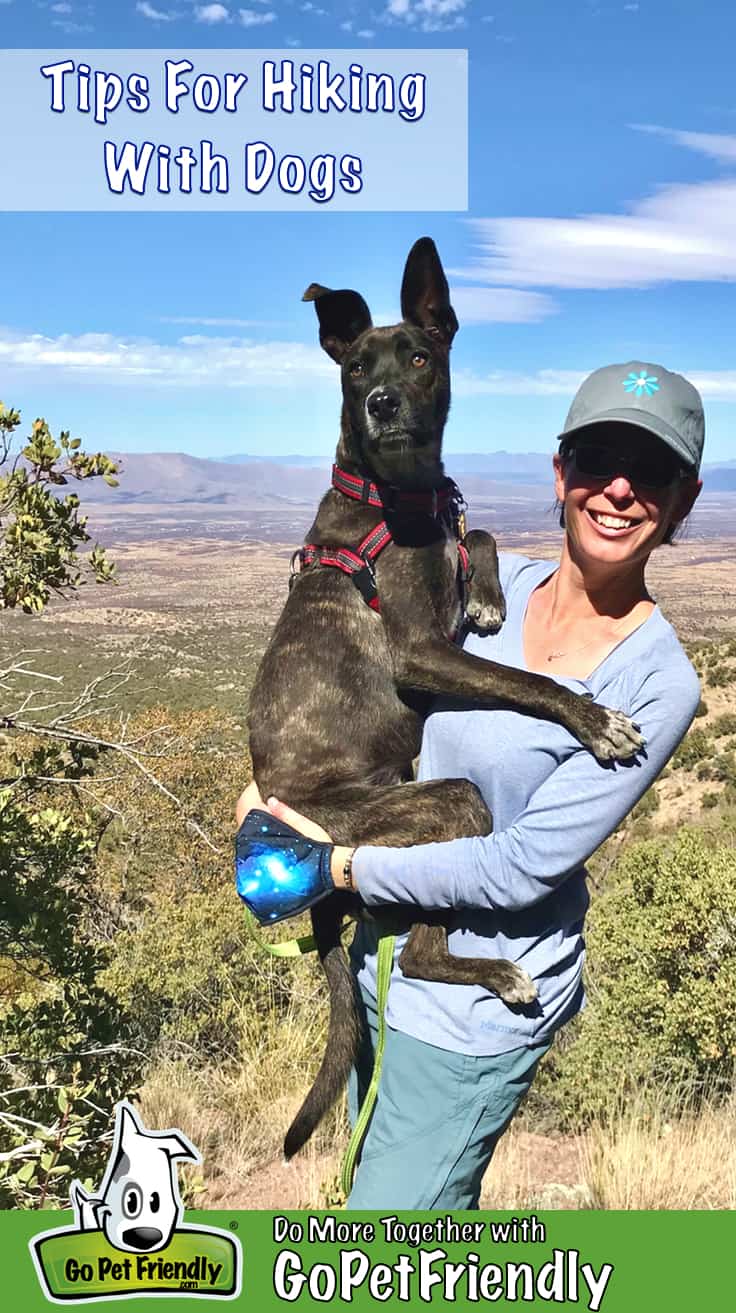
382,405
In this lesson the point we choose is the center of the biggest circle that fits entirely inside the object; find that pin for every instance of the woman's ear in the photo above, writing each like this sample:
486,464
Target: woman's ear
558,465
687,495
689,492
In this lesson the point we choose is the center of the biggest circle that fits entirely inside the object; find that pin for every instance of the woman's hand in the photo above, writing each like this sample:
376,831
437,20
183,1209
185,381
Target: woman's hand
249,798
310,829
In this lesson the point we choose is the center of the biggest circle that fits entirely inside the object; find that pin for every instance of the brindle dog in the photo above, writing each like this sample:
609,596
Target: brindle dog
340,697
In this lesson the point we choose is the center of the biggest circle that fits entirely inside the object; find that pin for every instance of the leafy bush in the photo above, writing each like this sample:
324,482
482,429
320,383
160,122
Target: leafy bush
695,747
724,768
719,676
64,1043
662,952
647,805
724,724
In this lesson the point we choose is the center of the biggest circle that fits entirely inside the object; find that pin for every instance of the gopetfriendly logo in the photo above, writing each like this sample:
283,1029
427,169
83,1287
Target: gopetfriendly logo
129,1239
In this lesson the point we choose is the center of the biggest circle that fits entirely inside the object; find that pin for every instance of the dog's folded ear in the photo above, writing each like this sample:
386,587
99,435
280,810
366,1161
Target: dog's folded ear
425,296
342,315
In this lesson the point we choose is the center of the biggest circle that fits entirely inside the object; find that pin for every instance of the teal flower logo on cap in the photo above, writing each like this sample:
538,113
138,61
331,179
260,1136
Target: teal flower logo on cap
641,384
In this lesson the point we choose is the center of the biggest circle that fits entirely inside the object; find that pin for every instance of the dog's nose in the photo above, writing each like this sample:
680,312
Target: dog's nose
142,1237
383,404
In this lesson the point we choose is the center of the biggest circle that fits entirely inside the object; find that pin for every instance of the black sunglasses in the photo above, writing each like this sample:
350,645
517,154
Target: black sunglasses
654,470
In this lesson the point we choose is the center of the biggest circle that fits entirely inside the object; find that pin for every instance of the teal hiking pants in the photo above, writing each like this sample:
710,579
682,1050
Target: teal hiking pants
437,1119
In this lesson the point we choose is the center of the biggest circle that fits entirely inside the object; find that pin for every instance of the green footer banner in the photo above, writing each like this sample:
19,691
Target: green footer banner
618,1262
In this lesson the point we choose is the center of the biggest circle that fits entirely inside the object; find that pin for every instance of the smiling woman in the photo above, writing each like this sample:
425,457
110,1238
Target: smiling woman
458,1061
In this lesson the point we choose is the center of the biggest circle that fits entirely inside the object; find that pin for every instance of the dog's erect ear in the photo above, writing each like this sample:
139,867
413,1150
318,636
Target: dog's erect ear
425,296
343,316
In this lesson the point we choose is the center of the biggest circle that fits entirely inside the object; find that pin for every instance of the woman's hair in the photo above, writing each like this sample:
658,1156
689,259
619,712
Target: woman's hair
674,531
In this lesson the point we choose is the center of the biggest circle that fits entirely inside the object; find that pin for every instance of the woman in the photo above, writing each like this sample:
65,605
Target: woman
457,1061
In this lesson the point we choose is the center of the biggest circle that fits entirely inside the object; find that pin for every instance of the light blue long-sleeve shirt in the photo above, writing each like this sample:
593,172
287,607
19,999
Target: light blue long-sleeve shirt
520,892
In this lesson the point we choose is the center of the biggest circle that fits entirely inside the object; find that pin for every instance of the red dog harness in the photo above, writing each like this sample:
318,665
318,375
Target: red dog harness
446,501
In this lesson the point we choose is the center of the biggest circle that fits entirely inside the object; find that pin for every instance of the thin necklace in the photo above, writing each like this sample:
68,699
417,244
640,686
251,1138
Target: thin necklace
570,651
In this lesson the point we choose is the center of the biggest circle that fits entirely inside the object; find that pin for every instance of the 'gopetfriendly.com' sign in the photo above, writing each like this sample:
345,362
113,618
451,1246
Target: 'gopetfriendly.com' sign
234,130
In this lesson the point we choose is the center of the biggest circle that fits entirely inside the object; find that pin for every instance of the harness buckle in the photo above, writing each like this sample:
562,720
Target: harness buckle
293,571
365,581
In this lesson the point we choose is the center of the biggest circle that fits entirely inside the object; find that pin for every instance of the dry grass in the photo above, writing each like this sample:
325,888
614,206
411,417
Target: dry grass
530,1170
237,1115
654,1152
659,1152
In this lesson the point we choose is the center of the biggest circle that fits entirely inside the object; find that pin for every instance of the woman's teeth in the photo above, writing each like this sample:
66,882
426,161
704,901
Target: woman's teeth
611,521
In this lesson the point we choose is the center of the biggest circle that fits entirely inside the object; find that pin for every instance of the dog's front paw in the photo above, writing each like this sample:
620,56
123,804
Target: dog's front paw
486,613
510,983
613,736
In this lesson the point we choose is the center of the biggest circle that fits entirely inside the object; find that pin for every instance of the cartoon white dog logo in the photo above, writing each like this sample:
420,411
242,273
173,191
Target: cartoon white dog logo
138,1205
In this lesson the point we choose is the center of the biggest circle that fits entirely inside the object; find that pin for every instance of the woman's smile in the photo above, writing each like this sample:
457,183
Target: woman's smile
611,524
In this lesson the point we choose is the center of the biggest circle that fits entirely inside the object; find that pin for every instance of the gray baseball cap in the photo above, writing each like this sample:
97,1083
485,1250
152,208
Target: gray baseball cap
648,396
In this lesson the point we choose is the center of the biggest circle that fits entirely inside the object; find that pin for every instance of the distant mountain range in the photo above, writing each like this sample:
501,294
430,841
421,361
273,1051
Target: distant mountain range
177,478
502,466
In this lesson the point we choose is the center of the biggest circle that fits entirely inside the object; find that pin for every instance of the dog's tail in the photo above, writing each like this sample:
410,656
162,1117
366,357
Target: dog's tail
344,1030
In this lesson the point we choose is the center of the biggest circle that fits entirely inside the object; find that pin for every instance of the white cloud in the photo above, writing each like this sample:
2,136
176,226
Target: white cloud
366,34
69,26
193,361
249,18
155,15
682,233
201,322
427,15
716,385
212,14
61,9
506,383
500,305
196,361
717,146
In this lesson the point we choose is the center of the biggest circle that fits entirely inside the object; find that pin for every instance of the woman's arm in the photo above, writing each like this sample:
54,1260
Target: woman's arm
566,819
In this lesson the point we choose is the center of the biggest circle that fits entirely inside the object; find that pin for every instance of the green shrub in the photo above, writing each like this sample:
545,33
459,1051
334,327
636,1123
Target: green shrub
725,724
695,747
719,676
662,955
724,767
191,969
647,805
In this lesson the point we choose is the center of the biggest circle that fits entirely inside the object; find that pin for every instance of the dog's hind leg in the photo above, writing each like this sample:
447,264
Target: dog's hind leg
426,957
399,815
428,812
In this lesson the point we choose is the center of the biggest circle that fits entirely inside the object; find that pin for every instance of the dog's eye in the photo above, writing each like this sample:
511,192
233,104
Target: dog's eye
154,1202
419,359
356,369
132,1201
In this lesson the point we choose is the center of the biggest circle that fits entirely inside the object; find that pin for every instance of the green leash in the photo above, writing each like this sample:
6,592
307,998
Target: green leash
385,961
287,948
384,967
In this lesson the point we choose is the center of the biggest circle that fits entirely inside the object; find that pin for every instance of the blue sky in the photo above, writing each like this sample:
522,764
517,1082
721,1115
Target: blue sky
601,227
